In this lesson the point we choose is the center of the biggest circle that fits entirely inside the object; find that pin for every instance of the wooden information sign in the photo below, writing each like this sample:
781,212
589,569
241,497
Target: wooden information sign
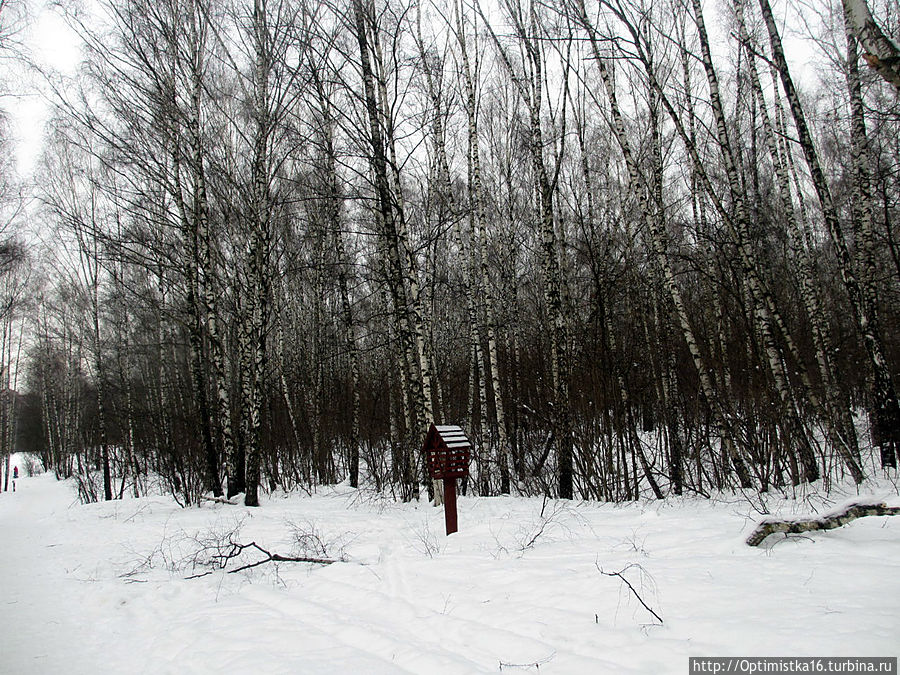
447,452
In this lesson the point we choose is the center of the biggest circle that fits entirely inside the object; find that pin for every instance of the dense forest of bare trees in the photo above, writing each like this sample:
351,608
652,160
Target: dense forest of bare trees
617,241
14,268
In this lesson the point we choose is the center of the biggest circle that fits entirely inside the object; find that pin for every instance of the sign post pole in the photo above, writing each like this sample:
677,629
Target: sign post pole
447,452
450,519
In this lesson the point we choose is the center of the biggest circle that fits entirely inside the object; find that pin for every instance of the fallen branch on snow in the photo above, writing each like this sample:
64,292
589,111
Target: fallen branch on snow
828,521
221,561
631,588
534,664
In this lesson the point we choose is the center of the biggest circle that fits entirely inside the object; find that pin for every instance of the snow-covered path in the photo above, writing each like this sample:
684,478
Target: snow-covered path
102,588
51,620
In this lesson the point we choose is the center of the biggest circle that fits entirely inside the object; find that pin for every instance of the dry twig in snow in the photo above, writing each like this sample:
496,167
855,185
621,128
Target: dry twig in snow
631,588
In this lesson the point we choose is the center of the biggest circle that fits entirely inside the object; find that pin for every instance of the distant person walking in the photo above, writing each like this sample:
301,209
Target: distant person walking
15,472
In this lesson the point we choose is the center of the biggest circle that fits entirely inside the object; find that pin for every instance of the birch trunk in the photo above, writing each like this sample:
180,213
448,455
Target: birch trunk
863,211
666,367
530,86
333,210
206,269
100,366
881,53
258,251
190,230
660,251
353,355
476,196
762,301
421,371
833,417
885,413
392,236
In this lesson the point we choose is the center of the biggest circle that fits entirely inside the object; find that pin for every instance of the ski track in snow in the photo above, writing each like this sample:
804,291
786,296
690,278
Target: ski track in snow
101,588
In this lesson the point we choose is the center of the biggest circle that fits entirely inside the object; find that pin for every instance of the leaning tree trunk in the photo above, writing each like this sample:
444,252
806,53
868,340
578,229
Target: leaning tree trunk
881,53
863,209
530,84
885,413
833,417
476,195
763,302
389,215
660,251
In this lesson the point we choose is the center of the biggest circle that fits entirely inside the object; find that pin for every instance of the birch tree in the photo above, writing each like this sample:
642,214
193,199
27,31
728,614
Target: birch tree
529,80
881,52
885,412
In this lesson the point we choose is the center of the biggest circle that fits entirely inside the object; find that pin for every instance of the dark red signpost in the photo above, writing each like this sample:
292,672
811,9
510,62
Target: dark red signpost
447,452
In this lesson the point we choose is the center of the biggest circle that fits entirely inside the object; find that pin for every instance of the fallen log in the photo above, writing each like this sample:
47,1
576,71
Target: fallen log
828,521
217,500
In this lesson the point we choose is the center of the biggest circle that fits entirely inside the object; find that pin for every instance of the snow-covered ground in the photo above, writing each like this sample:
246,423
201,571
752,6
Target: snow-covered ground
103,588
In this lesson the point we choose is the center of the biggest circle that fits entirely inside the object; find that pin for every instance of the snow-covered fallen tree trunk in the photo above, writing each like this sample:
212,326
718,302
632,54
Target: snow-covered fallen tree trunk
829,521
217,500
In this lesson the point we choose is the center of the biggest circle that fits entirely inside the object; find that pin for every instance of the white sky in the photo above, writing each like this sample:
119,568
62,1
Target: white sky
52,46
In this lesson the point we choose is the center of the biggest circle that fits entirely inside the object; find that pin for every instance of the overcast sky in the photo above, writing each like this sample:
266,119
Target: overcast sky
55,46
52,45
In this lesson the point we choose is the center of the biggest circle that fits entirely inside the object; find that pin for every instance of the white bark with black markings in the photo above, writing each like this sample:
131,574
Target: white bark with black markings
881,52
829,521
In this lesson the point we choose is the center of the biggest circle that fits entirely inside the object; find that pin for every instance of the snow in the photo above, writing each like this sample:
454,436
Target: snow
103,588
